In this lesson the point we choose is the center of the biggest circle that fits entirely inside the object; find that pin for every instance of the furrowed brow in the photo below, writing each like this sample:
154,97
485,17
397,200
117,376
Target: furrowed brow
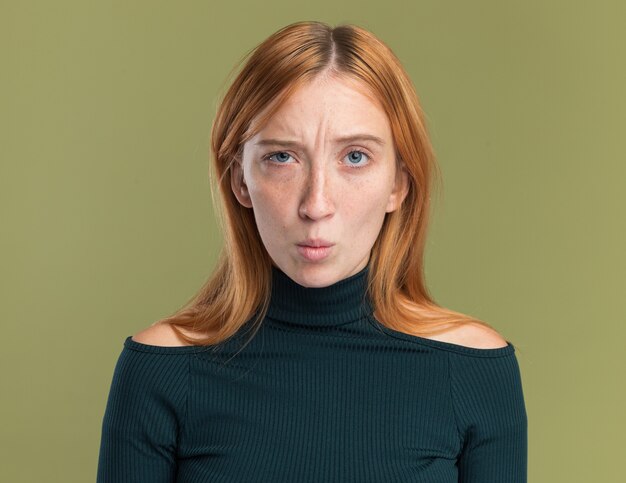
339,140
359,137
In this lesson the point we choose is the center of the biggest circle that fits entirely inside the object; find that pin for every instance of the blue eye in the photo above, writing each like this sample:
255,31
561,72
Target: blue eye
278,154
359,157
281,157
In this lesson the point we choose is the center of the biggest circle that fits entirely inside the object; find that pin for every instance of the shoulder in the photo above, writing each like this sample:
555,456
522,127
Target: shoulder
487,388
160,334
148,385
476,336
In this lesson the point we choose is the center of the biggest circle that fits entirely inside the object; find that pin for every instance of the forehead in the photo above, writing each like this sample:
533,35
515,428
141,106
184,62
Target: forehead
339,104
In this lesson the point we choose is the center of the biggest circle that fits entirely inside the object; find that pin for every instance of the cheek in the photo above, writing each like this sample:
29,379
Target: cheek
268,191
364,208
269,205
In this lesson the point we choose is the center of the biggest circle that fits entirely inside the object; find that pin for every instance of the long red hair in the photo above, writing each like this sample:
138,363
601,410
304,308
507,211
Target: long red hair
240,285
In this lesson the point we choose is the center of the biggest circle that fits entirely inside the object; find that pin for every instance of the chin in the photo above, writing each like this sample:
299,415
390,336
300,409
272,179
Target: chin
313,275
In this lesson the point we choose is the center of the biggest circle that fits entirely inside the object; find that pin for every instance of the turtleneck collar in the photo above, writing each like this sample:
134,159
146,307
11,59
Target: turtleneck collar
343,302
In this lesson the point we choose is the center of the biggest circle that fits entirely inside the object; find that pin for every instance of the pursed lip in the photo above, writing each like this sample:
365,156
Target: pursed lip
316,243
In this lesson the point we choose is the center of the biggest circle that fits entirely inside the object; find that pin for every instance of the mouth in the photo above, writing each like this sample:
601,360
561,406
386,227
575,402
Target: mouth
316,243
314,253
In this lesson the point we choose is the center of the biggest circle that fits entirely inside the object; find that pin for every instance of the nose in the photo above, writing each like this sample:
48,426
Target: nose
316,203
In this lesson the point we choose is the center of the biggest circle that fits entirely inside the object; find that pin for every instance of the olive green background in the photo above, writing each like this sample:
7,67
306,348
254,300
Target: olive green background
107,221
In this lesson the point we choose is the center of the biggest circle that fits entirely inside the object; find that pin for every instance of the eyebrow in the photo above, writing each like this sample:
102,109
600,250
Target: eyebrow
339,140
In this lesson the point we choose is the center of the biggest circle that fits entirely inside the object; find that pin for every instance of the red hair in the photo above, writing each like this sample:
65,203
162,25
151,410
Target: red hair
239,288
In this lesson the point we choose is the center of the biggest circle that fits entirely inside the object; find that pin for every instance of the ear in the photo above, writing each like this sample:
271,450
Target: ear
238,184
400,189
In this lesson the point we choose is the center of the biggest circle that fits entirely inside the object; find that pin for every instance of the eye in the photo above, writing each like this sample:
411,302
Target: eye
355,159
281,155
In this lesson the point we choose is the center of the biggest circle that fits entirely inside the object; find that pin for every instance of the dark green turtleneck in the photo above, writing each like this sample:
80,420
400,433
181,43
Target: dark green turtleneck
322,393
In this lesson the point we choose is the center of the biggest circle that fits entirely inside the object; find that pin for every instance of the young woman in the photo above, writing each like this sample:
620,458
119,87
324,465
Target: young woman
315,352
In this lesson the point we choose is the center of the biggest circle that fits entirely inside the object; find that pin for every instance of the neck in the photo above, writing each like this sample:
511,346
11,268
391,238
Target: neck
342,302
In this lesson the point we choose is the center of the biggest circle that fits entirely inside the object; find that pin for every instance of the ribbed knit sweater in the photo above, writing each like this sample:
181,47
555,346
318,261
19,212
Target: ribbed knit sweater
323,392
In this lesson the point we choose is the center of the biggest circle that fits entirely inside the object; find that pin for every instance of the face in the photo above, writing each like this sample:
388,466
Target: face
321,171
